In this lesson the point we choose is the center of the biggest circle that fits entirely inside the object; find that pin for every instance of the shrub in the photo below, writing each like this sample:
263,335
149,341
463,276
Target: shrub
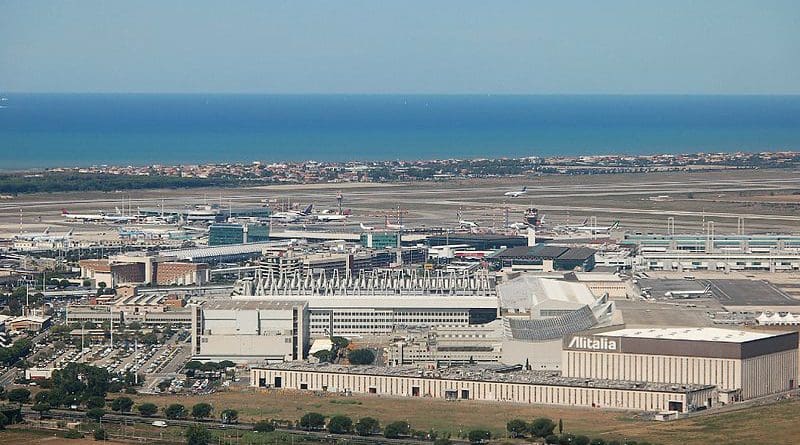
100,434
95,402
73,434
312,421
551,439
201,410
19,395
96,413
264,426
197,435
367,426
542,427
361,357
147,409
396,429
229,416
122,404
479,436
340,425
517,428
175,411
581,440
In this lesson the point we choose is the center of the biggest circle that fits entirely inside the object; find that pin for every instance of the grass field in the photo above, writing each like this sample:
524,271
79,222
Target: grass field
776,422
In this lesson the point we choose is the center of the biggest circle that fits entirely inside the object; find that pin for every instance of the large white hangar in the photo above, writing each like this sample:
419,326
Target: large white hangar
741,364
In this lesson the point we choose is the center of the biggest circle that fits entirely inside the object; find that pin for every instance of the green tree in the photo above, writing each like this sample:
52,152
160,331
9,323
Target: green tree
581,440
73,434
41,408
340,342
42,397
324,356
135,325
201,410
229,416
340,425
96,413
551,439
444,440
361,357
517,428
175,411
479,436
197,435
566,439
312,421
367,426
193,364
95,402
264,426
542,427
19,395
122,404
82,381
395,430
100,434
560,426
147,409
3,421
597,441
227,364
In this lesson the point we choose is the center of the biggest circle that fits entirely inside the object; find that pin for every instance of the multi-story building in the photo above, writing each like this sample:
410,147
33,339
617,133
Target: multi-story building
250,331
230,233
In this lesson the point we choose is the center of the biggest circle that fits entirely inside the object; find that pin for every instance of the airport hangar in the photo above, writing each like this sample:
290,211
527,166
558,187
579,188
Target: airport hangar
666,369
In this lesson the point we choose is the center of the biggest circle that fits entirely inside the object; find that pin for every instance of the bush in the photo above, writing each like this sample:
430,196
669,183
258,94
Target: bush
175,411
96,413
100,434
95,402
201,410
581,440
367,426
73,434
147,409
566,439
312,421
122,404
517,428
361,357
340,425
396,429
229,416
479,436
42,397
597,441
443,441
197,435
264,426
542,427
19,395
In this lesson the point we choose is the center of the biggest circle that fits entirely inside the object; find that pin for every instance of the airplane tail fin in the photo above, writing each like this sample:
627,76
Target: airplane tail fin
308,208
70,232
585,221
64,212
524,188
46,230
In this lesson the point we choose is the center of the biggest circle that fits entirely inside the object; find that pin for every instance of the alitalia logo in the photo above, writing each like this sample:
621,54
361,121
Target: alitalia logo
593,343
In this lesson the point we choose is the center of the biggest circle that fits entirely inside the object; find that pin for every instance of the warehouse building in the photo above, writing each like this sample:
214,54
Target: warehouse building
250,331
546,258
741,364
495,384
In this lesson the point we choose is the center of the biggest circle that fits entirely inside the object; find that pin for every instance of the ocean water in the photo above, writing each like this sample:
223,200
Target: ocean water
46,130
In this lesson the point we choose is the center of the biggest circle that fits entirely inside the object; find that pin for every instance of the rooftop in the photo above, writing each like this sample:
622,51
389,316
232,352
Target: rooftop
693,334
496,373
252,304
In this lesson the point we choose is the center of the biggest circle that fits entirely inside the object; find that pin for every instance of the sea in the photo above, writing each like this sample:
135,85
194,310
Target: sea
66,130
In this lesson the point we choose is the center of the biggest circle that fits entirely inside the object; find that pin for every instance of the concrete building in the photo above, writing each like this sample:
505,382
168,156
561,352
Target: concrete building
444,345
144,269
250,331
228,233
546,258
778,261
498,384
741,364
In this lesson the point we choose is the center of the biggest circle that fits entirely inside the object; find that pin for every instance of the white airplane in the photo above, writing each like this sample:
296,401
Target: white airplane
32,235
468,224
51,238
292,215
95,217
329,216
391,226
517,193
586,228
367,228
518,226
688,293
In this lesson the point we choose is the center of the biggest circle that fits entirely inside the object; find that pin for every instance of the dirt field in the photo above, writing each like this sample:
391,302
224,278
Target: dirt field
778,421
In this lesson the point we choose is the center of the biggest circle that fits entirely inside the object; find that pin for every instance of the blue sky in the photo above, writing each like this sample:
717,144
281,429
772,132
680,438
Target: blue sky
526,47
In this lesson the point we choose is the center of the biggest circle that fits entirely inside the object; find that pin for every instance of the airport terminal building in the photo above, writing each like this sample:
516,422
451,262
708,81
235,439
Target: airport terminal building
741,364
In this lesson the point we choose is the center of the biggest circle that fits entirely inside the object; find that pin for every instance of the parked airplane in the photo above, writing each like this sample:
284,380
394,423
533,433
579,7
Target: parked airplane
32,235
517,193
292,215
52,238
329,216
688,293
518,226
467,224
97,217
583,227
364,227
